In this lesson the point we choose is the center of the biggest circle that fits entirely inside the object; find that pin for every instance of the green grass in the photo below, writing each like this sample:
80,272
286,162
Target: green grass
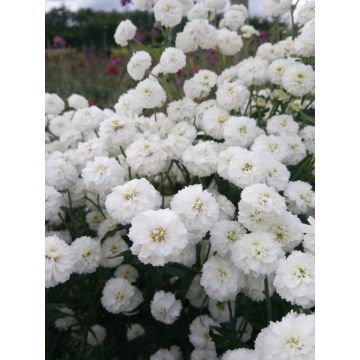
71,71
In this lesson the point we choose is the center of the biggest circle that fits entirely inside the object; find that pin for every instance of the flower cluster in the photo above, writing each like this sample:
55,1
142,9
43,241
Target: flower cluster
191,206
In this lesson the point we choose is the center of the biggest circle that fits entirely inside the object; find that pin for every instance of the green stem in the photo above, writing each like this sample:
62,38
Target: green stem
129,168
96,205
292,10
248,106
268,300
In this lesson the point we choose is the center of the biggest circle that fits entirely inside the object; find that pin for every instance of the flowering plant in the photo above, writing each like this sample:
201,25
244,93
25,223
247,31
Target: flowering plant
180,223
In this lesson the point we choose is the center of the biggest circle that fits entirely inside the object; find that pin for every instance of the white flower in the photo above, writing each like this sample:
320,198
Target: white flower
309,237
199,332
138,64
67,322
60,124
263,198
213,121
307,134
256,253
187,256
77,102
267,51
277,175
88,119
128,104
105,226
127,272
157,236
306,12
165,354
200,33
300,197
226,207
102,174
59,261
201,159
247,31
295,279
126,201
196,294
291,338
228,42
183,109
216,4
172,60
224,234
234,18
296,150
53,202
198,11
240,354
134,331
180,138
203,354
253,218
164,307
252,71
304,44
119,296
285,48
96,335
150,94
287,231
146,156
125,31
220,310
200,85
277,68
144,4
54,105
196,207
116,131
245,168
299,79
276,7
168,12
186,41
62,234
87,254
94,218
69,139
88,150
111,248
255,285
240,131
59,173
282,125
271,146
220,279
232,95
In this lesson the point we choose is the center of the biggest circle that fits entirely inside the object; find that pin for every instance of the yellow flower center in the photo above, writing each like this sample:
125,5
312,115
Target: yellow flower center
231,235
198,205
129,194
247,167
222,274
301,271
117,124
293,343
158,234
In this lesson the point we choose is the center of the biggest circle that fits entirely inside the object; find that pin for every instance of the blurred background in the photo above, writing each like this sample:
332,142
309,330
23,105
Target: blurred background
81,56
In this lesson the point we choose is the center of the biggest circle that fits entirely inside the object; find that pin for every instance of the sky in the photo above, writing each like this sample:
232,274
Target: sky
255,6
